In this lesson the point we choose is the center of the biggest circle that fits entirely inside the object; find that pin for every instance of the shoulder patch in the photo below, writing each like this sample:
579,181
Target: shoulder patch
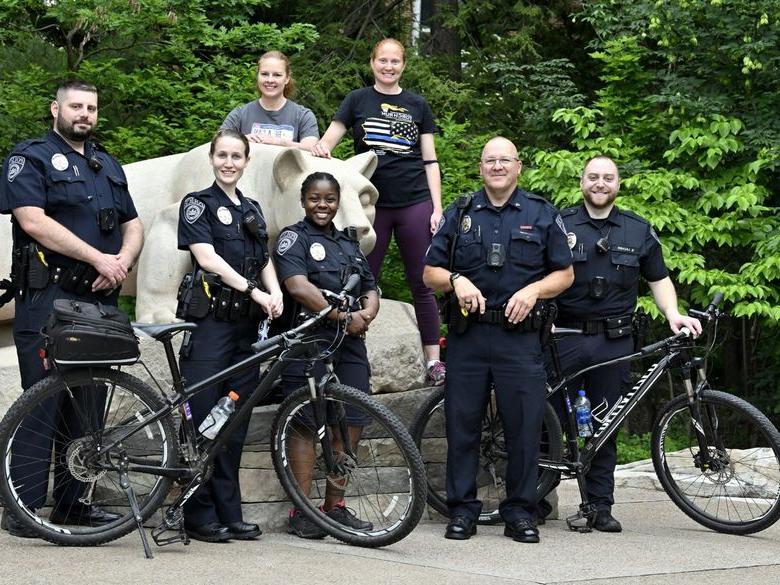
192,209
286,241
15,166
559,223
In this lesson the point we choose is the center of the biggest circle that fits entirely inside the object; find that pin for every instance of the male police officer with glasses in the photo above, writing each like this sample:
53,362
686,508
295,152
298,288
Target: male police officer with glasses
497,253
612,248
76,234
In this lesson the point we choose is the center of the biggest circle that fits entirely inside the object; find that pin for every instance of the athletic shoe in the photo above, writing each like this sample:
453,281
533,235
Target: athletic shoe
435,374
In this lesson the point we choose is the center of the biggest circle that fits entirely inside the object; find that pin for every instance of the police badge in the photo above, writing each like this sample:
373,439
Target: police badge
317,251
465,225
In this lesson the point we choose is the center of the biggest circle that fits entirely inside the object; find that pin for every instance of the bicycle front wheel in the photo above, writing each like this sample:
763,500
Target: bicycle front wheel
57,465
429,434
738,490
380,478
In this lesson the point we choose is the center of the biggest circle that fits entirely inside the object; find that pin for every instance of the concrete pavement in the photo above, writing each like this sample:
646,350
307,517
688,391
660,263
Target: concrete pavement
659,545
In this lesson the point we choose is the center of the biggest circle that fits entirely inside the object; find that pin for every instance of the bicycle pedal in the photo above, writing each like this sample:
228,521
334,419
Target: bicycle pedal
173,521
179,536
579,522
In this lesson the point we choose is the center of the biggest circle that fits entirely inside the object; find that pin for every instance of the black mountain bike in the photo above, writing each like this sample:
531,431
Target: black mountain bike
128,460
716,455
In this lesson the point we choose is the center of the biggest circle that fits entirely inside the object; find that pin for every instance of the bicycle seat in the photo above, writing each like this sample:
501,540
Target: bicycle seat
157,331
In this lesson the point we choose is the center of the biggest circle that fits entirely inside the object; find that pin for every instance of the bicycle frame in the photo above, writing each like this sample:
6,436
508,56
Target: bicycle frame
579,458
282,349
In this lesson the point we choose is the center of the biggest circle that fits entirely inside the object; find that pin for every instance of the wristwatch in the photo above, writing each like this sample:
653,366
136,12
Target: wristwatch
250,286
453,276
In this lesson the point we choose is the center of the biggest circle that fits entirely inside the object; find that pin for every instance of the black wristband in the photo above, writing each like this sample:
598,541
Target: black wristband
453,276
250,286
430,162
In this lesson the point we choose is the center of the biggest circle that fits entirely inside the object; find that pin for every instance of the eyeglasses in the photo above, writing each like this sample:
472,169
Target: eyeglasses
503,162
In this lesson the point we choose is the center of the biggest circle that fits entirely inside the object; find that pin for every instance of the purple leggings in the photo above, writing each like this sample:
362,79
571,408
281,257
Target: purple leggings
411,226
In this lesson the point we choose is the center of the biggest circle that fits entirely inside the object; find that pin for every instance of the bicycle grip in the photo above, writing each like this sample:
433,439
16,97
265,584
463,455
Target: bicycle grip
352,282
652,347
716,300
261,346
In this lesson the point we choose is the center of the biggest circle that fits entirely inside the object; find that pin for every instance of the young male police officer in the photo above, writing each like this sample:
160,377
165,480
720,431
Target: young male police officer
611,249
76,234
499,252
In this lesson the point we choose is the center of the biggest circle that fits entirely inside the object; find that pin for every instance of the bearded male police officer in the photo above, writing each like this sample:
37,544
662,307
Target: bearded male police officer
612,248
499,251
76,235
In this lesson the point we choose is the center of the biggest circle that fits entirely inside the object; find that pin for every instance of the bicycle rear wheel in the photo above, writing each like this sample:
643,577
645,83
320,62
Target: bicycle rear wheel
68,421
739,492
382,480
428,432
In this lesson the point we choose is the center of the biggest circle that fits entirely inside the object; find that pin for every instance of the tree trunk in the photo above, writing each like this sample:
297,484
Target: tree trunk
445,42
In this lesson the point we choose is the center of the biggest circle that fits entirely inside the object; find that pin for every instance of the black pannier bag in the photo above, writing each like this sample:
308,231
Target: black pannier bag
80,333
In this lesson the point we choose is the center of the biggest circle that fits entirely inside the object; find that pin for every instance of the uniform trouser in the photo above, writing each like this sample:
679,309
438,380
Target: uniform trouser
350,364
487,353
55,420
603,387
217,345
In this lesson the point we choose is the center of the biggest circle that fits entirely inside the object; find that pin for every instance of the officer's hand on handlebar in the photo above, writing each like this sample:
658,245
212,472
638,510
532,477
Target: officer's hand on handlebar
678,321
469,296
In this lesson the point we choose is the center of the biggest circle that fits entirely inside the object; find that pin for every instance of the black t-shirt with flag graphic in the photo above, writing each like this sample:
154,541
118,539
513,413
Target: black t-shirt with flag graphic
391,126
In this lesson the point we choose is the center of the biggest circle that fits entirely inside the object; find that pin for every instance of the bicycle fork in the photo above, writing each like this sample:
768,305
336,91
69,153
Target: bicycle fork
324,432
704,460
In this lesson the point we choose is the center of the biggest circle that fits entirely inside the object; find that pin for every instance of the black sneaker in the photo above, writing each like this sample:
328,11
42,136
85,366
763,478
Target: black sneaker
343,515
301,526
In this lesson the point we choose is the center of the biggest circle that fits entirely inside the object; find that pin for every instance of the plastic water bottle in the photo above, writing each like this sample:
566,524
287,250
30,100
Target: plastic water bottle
218,416
582,415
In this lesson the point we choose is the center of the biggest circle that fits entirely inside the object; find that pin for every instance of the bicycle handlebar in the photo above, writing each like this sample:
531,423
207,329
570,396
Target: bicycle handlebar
709,313
335,300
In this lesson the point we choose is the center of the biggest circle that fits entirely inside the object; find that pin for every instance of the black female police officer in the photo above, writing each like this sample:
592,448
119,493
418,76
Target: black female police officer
510,250
313,255
225,233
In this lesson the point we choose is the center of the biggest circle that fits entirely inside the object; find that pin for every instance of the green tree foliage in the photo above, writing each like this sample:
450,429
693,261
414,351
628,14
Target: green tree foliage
687,106
168,72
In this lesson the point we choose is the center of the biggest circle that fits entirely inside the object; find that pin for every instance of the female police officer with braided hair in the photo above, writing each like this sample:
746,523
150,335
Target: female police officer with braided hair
313,255
225,233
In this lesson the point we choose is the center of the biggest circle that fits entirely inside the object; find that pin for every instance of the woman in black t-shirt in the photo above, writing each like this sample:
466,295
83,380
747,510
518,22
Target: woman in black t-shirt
398,126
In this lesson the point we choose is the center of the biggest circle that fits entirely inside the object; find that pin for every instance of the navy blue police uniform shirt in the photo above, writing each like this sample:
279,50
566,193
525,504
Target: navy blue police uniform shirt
325,258
527,226
47,173
210,217
634,250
